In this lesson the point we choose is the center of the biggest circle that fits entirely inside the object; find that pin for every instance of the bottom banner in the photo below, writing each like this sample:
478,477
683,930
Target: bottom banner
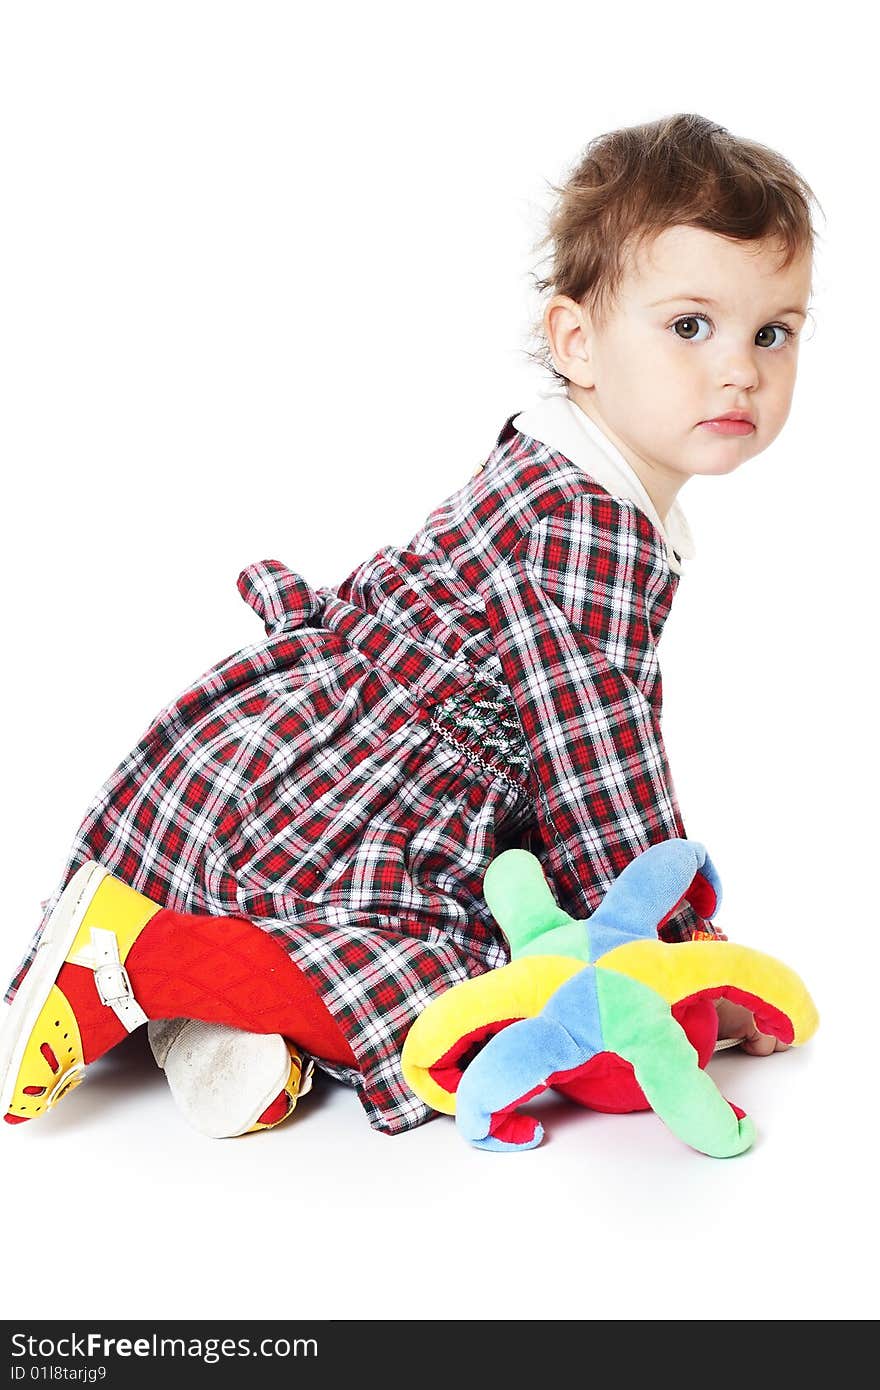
131,1354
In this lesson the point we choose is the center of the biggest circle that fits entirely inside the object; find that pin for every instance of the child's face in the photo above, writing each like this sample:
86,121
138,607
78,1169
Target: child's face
651,383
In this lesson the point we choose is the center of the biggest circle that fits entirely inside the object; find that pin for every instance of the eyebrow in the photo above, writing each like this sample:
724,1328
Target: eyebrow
698,299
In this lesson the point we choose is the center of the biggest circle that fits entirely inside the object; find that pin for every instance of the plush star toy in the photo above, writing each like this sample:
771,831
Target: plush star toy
601,1010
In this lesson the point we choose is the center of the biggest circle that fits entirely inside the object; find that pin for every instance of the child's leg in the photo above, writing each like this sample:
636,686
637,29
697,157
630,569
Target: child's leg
110,959
217,969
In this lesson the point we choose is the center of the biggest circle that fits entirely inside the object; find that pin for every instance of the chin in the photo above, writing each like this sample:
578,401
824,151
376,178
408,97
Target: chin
722,458
718,468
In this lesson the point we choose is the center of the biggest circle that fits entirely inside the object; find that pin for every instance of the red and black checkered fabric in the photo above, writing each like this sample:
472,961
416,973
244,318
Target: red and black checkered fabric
345,781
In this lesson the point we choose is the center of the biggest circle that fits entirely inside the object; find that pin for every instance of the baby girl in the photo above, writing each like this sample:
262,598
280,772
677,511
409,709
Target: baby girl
288,866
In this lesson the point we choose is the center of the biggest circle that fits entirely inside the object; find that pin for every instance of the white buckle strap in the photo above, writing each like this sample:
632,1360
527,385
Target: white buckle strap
112,982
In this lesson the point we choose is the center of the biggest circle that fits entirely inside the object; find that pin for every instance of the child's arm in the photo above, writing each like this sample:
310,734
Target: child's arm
575,611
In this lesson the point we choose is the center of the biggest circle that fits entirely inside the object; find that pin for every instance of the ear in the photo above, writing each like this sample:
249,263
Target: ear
567,331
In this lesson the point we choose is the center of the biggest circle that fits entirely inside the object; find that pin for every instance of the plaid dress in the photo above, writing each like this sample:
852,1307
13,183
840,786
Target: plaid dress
345,781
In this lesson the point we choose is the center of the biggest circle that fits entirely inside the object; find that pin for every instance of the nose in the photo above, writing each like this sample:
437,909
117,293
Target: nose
739,368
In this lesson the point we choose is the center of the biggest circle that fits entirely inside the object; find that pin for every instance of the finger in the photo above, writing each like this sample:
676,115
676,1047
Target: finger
759,1044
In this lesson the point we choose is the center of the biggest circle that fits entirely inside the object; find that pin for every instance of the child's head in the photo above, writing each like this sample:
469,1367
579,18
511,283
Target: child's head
652,217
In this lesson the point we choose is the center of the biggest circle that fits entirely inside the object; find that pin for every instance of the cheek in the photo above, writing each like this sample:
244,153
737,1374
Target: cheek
656,380
677,379
778,391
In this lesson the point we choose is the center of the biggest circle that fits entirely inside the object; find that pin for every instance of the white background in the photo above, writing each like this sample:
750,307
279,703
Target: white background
266,293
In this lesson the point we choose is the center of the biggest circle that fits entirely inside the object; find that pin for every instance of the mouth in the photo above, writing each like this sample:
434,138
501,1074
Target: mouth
735,422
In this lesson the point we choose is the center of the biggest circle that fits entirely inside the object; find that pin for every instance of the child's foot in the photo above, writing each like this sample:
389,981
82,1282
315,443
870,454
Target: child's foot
228,1082
75,1001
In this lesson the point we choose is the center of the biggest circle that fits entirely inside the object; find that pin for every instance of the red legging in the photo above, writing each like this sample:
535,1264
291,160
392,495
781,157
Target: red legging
217,969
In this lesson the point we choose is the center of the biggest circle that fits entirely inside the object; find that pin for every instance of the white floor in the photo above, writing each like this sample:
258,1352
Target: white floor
116,1208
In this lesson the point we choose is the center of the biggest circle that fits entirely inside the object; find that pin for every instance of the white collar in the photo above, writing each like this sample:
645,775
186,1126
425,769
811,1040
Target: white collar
559,422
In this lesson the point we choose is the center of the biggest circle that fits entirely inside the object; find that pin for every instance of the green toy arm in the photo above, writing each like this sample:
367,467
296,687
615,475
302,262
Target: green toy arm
638,1025
522,904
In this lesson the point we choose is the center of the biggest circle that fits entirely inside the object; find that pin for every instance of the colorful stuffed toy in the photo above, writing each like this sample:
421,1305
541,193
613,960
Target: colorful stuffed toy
601,1011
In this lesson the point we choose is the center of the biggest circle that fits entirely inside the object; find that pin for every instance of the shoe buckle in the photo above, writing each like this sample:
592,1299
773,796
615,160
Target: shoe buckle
112,983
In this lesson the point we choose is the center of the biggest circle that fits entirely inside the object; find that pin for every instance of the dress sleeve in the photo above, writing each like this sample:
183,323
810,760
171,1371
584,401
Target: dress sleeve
575,612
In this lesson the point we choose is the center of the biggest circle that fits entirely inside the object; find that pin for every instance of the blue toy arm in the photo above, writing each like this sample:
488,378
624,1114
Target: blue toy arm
516,1064
648,890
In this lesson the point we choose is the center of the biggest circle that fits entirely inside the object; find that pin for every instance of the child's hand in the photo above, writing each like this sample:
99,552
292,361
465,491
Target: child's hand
735,1021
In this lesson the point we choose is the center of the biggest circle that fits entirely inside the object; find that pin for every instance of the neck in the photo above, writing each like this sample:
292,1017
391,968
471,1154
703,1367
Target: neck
662,485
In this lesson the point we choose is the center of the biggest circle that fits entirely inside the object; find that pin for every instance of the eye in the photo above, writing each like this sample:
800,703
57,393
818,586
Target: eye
780,328
690,325
689,328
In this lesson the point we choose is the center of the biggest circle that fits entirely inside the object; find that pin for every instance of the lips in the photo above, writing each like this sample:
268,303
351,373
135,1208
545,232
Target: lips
731,415
724,426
